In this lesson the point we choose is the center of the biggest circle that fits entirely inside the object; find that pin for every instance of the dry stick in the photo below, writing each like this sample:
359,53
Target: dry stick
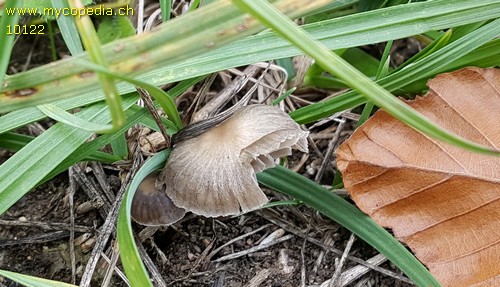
41,238
47,225
212,254
334,282
250,78
357,271
253,249
159,252
191,113
301,163
335,250
219,282
156,276
148,232
259,278
302,260
315,147
102,180
329,151
91,190
71,194
222,98
108,226
111,265
328,240
148,102
328,119
116,269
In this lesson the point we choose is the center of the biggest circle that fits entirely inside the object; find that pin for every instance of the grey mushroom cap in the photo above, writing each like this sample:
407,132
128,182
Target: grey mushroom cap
213,174
151,206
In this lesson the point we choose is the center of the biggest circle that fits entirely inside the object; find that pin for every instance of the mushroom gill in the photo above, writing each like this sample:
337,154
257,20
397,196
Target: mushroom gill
213,173
151,206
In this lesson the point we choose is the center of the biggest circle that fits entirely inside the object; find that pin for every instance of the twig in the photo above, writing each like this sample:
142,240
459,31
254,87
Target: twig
329,151
328,240
356,272
334,282
333,249
41,238
150,266
71,194
212,254
148,102
108,226
111,266
302,261
91,190
47,225
100,175
253,249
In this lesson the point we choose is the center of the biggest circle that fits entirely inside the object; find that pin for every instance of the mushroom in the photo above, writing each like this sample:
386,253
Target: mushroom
211,172
151,206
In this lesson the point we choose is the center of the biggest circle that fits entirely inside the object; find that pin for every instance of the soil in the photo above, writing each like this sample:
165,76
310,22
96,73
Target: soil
180,252
32,243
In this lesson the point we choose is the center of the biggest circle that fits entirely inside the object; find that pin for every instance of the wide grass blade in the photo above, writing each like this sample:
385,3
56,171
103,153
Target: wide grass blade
131,260
339,210
7,20
93,46
32,281
15,142
22,171
337,66
477,43
348,31
68,28
60,115
175,41
165,101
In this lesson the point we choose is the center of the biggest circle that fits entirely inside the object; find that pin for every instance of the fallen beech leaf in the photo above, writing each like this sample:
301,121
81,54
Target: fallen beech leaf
440,200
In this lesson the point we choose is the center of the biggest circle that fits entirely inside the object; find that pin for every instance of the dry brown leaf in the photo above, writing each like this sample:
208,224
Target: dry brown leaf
440,200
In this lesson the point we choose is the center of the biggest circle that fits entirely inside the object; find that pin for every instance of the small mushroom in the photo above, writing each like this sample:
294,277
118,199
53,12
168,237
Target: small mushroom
212,172
151,206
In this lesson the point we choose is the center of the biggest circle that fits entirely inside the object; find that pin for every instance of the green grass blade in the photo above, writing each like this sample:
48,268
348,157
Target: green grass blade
120,146
166,9
32,281
339,210
22,171
335,65
7,20
165,101
349,31
431,48
129,255
88,148
23,117
15,142
382,71
68,28
93,47
449,57
60,115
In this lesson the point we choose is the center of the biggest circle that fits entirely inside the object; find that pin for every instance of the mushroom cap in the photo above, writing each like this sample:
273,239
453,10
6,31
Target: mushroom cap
213,174
151,206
